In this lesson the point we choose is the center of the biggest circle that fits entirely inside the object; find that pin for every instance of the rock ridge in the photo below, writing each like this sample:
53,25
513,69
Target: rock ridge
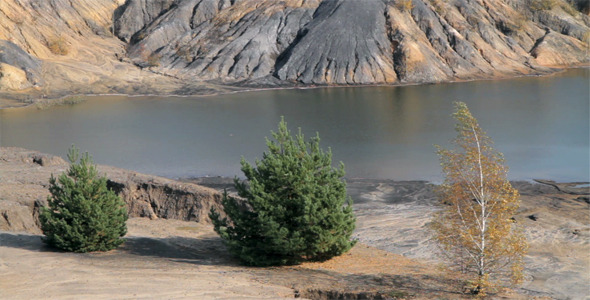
359,42
25,180
208,46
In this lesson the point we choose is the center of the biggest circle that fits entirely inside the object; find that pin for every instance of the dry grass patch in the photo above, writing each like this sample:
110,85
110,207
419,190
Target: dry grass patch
70,100
404,5
154,60
58,45
539,5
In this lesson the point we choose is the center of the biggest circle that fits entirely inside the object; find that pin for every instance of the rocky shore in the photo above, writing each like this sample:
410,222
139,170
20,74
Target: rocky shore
171,242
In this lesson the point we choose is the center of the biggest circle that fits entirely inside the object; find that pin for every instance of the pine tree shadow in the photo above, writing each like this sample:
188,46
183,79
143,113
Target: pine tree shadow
200,251
25,241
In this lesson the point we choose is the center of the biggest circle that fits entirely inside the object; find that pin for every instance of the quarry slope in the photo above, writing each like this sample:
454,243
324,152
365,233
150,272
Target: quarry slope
58,47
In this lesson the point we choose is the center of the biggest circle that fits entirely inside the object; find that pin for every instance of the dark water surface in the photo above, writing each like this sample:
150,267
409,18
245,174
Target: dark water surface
541,124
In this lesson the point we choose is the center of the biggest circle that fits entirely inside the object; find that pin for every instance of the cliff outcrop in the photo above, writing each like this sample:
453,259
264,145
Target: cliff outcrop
202,46
354,42
25,180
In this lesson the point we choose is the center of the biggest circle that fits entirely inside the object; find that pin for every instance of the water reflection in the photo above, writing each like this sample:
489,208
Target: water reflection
541,125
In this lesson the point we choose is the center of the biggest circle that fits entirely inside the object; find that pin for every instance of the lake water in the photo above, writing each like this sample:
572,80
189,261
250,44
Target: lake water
541,124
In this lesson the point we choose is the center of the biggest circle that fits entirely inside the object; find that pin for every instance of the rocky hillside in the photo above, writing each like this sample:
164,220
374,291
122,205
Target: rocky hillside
24,189
181,46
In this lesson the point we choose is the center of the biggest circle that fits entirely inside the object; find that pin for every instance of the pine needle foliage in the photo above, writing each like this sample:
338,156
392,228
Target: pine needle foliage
475,229
83,215
293,205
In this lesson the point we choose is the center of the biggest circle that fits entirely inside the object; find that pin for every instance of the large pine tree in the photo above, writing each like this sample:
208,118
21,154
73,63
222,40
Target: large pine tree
83,214
293,205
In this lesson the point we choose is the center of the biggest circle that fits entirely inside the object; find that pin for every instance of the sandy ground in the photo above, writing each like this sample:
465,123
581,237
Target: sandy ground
157,267
172,259
557,226
393,216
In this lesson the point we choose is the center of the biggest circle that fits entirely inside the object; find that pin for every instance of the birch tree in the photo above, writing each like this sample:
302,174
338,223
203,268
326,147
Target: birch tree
475,228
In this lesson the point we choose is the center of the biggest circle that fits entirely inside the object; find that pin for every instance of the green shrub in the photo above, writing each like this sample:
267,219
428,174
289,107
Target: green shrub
83,214
293,206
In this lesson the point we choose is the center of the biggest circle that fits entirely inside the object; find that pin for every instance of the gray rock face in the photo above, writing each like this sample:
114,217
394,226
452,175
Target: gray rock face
218,39
132,16
15,56
208,45
345,41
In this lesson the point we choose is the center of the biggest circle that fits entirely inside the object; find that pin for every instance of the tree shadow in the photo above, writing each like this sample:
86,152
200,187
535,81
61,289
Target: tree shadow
200,251
326,284
25,241
424,283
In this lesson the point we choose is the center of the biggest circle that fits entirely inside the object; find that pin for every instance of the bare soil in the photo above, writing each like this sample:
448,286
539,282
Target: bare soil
178,259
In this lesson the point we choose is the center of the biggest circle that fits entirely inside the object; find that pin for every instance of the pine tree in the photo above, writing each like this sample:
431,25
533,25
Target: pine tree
293,206
83,214
475,229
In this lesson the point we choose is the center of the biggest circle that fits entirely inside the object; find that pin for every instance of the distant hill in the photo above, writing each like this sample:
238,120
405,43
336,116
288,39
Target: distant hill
186,46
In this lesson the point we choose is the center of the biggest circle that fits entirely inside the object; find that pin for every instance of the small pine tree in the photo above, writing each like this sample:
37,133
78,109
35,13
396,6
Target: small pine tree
83,214
475,229
293,208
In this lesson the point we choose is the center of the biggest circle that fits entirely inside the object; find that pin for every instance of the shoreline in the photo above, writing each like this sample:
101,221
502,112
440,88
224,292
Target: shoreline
54,100
569,187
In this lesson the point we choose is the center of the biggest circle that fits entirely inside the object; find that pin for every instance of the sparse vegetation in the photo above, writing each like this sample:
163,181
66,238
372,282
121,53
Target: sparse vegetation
513,25
586,39
69,100
185,53
294,206
475,228
58,45
438,6
83,214
568,8
539,5
153,60
518,23
140,36
404,5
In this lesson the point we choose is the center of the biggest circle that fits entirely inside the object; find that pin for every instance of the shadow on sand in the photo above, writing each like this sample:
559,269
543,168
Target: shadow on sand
201,251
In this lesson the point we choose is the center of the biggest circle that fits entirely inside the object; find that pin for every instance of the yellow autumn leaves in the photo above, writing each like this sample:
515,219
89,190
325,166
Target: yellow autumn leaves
475,228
